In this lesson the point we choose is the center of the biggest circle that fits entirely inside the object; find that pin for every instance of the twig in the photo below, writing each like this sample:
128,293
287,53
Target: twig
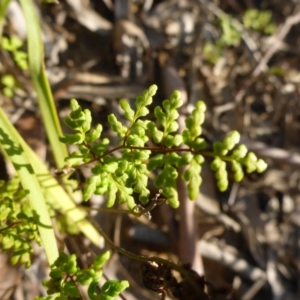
274,47
278,289
255,288
250,43
88,18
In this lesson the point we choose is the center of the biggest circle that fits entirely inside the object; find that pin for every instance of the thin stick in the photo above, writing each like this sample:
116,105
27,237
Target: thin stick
274,47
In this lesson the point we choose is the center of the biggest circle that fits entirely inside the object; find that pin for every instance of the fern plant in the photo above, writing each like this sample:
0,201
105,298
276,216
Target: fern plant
66,276
146,147
152,149
18,228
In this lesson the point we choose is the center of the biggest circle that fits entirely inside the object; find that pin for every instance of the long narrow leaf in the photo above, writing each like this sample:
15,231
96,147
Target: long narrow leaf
19,156
41,83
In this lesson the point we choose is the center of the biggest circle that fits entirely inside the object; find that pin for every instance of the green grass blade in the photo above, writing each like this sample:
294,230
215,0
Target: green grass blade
19,156
41,83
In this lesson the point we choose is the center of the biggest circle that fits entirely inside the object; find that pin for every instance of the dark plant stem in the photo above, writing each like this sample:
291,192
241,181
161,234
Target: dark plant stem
184,272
